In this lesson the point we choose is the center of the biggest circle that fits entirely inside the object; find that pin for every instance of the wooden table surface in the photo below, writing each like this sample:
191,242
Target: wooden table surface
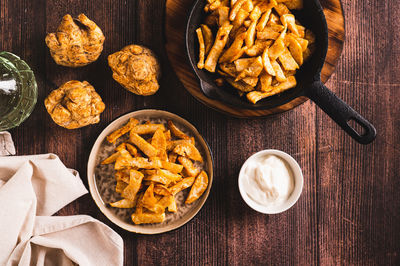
349,211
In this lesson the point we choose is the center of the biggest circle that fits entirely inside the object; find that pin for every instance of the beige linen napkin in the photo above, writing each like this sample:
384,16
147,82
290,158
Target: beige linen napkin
6,144
32,188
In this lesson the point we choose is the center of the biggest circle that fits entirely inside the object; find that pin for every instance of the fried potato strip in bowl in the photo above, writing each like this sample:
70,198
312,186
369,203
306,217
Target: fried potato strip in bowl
254,46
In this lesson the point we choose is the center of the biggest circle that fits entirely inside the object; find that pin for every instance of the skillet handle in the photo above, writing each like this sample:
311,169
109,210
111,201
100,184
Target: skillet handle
341,113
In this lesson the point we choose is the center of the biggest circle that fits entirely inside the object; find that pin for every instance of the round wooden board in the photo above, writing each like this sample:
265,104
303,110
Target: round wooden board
177,12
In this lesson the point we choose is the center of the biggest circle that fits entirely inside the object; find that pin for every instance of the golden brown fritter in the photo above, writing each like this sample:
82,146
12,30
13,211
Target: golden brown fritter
75,104
76,43
136,68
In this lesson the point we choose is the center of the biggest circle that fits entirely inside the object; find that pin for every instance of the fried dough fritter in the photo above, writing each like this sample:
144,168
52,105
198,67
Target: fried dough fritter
75,104
76,43
136,68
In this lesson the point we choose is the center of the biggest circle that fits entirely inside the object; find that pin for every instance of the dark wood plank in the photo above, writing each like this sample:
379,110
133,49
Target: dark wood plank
349,210
358,199
284,238
22,32
204,238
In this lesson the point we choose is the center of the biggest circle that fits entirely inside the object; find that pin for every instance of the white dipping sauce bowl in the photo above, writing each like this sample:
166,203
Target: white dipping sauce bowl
298,183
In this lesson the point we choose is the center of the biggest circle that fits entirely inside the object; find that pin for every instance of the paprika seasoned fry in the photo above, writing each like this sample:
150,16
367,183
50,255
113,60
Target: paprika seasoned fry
265,33
148,174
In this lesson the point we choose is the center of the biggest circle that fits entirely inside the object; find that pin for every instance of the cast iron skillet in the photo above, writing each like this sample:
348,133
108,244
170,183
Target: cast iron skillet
308,77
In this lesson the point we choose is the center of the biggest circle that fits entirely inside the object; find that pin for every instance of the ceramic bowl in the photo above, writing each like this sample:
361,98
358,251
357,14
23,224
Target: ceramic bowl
102,182
298,183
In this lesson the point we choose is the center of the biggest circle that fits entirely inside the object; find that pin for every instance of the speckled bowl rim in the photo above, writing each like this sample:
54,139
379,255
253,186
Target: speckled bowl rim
97,197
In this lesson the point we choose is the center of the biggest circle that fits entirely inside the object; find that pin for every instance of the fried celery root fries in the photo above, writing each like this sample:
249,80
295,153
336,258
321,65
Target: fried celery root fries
258,45
152,166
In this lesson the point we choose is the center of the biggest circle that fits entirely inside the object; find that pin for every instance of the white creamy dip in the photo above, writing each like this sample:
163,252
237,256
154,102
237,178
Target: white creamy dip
268,180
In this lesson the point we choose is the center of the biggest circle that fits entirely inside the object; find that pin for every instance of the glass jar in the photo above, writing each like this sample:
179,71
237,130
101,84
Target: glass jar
18,91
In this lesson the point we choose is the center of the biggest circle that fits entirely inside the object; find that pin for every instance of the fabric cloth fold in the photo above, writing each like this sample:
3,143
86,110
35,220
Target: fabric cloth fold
6,144
32,188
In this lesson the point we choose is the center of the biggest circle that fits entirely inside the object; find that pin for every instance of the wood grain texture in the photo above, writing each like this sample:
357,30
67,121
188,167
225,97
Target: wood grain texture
175,28
349,211
358,183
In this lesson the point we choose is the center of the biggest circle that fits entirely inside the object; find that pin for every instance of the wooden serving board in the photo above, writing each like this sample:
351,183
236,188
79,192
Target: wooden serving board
177,12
